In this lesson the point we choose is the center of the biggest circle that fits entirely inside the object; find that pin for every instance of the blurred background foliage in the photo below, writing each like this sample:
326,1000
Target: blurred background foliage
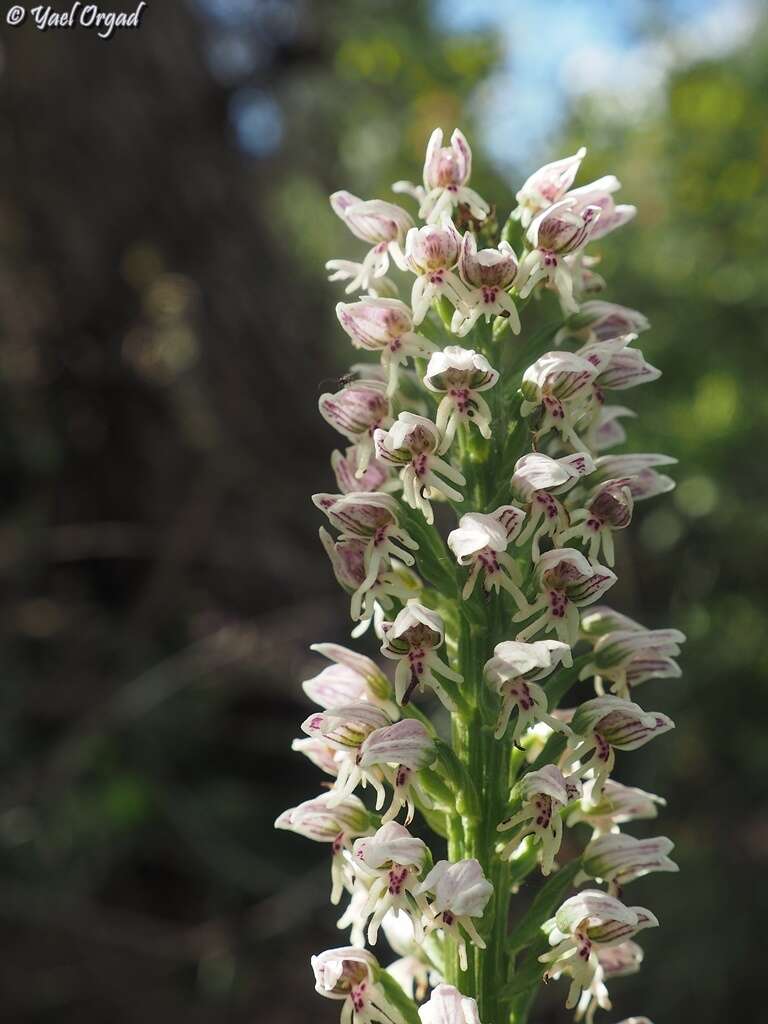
165,331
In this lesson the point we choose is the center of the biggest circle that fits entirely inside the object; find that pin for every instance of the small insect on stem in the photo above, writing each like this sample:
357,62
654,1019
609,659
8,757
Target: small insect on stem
337,383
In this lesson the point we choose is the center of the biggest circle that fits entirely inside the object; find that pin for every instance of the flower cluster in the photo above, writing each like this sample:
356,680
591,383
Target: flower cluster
479,500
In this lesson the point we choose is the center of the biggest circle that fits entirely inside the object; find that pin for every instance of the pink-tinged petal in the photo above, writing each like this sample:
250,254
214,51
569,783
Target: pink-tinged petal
345,727
434,247
459,887
622,858
335,685
345,468
562,374
448,1006
607,320
361,514
561,229
374,323
432,159
512,659
613,218
347,560
612,503
317,820
455,367
462,156
630,734
475,532
404,743
489,268
318,752
603,918
391,844
357,409
550,182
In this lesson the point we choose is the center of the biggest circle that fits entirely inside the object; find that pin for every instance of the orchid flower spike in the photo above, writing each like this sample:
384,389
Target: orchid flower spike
387,866
542,795
448,1006
546,186
500,802
356,411
460,374
460,892
412,640
566,582
559,231
349,974
382,225
557,390
481,542
487,274
612,962
619,859
583,926
431,253
630,656
384,326
412,443
616,805
535,482
447,169
606,724
338,824
511,673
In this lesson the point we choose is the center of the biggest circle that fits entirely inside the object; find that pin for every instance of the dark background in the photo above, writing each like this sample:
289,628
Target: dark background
165,327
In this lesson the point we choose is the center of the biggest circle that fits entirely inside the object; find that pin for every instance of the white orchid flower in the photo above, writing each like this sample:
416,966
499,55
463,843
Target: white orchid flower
460,374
